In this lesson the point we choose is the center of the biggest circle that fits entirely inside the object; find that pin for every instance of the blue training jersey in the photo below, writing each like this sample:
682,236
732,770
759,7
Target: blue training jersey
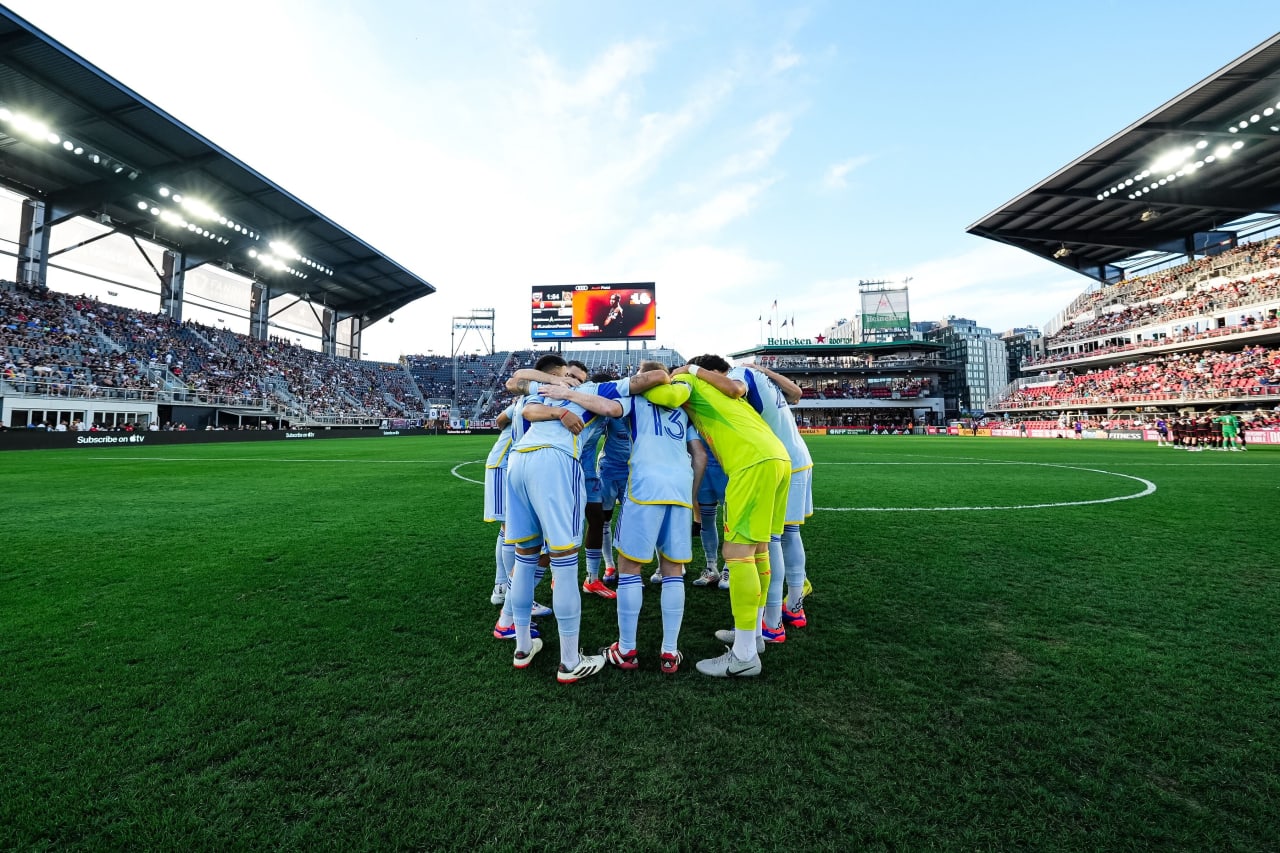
661,470
768,400
616,455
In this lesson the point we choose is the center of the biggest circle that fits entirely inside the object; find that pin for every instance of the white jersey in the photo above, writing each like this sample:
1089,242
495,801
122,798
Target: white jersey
661,471
768,400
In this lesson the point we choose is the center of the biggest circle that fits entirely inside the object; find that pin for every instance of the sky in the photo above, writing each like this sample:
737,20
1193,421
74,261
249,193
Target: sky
738,154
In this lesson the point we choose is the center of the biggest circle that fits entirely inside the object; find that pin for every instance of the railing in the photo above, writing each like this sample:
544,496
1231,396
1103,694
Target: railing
1206,395
1172,342
59,388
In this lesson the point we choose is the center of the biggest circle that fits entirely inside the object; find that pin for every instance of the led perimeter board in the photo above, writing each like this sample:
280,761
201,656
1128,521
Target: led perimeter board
601,312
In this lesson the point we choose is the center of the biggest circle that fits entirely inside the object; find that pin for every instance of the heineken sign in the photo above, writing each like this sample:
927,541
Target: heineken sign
821,340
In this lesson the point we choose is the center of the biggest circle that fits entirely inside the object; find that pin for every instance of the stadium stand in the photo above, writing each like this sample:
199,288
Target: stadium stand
1200,334
55,345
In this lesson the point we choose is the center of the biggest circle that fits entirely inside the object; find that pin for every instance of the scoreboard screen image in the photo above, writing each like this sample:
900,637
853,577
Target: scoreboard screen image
602,312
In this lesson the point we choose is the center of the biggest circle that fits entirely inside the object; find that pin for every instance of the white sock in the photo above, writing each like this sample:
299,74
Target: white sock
630,600
773,596
672,612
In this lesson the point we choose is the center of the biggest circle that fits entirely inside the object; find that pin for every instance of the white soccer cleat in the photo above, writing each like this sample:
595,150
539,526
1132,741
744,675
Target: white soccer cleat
708,577
523,659
541,610
724,579
588,665
728,666
656,577
499,595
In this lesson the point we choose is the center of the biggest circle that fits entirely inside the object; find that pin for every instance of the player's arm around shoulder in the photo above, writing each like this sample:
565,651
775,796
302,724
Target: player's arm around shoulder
790,390
732,388
520,380
591,402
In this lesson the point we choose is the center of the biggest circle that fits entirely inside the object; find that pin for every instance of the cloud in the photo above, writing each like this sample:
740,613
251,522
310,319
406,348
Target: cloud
837,176
559,93
767,136
784,60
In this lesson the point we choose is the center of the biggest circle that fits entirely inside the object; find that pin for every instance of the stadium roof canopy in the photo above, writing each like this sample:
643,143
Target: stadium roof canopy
86,145
1205,163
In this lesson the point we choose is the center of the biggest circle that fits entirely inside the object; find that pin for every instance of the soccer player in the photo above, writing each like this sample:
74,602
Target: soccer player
596,522
549,369
495,470
1230,426
771,395
710,497
657,517
614,470
759,470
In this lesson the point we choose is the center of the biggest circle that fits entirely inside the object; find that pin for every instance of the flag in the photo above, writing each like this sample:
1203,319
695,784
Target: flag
769,322
775,305
784,324
793,321
760,318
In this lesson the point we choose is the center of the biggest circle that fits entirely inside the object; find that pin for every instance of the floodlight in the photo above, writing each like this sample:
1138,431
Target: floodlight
1062,252
1149,215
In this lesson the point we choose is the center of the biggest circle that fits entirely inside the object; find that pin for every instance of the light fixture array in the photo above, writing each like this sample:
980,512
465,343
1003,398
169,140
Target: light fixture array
34,130
172,207
1186,160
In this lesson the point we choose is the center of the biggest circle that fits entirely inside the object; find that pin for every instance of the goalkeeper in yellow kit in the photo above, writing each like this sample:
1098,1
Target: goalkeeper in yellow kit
759,471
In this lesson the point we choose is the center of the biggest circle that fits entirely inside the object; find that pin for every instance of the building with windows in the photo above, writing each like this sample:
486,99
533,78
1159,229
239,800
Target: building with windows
983,364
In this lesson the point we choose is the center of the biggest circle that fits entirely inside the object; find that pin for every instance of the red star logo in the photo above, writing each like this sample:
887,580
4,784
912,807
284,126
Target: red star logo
820,339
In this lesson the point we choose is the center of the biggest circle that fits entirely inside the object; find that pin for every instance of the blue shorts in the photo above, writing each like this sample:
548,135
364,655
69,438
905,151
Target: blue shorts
800,496
544,499
593,490
495,503
612,491
646,528
712,488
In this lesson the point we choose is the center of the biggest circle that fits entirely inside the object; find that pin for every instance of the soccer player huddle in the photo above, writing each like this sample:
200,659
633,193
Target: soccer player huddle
705,433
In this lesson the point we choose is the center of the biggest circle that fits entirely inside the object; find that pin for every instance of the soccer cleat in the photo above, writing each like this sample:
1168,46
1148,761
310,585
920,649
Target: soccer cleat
610,574
708,576
807,589
588,665
726,636
773,635
622,660
724,579
509,632
597,587
656,577
671,662
540,610
794,618
523,659
499,594
728,666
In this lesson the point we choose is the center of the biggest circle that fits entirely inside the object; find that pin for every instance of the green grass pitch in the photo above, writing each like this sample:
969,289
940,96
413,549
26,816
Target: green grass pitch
1030,644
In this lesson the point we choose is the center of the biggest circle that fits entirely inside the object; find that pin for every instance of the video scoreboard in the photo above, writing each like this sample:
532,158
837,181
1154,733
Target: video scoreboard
602,312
